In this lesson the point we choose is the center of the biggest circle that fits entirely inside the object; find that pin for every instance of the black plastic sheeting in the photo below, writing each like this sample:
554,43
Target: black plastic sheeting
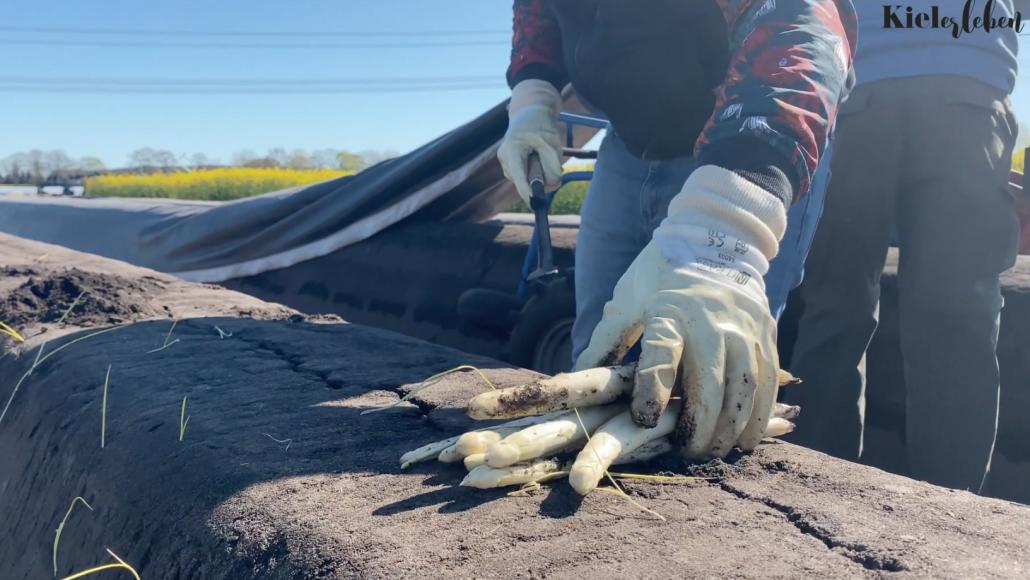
455,177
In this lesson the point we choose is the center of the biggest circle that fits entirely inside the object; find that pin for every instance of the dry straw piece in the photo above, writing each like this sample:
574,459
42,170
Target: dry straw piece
72,307
122,564
40,359
428,383
60,527
183,419
5,329
280,441
167,336
103,409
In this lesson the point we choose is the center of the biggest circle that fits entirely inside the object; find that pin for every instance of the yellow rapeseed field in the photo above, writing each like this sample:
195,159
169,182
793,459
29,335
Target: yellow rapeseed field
1018,163
207,184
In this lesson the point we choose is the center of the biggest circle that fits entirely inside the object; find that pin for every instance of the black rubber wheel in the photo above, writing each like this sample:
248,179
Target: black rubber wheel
491,309
542,338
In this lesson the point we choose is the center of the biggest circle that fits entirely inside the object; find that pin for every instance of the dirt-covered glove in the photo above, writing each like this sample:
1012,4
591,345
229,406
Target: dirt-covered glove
532,127
696,296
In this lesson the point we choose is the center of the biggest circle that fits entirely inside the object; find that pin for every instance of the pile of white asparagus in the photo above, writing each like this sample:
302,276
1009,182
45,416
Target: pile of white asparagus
557,417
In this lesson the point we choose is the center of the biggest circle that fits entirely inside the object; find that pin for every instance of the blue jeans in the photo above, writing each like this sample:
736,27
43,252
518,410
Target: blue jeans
629,197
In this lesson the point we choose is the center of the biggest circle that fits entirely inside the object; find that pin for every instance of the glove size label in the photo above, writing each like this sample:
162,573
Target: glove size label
725,270
725,262
716,239
717,255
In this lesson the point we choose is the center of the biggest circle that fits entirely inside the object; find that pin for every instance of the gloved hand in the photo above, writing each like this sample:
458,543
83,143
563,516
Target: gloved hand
532,126
696,295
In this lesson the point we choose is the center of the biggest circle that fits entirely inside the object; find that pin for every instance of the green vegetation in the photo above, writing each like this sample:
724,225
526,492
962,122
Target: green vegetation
568,200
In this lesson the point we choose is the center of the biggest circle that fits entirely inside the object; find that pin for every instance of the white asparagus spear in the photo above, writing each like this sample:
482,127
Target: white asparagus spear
426,452
786,379
474,461
589,388
550,437
477,442
645,452
778,427
480,440
433,450
449,455
786,411
618,436
485,477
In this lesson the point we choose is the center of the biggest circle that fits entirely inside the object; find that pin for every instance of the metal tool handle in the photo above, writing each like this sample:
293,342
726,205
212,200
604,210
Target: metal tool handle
535,171
535,174
538,202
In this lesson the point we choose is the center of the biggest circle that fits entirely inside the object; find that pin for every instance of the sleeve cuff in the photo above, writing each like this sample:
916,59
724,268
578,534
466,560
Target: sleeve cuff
717,198
538,71
757,162
534,93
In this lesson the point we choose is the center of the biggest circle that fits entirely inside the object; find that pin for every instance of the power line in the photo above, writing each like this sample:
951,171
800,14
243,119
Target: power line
251,33
250,45
79,89
249,82
185,86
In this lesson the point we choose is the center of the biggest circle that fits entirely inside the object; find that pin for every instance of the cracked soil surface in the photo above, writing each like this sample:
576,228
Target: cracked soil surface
279,476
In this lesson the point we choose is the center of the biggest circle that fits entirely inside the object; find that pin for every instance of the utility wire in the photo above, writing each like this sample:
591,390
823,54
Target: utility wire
252,33
78,89
245,86
251,45
248,82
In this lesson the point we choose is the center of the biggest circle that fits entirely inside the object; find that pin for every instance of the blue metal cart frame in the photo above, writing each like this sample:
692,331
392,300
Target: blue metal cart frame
571,121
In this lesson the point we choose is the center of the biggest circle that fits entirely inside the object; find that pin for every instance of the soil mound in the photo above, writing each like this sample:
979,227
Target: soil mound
239,450
98,299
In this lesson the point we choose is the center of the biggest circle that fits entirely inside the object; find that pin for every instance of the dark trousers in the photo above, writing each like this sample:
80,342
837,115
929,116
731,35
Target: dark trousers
927,158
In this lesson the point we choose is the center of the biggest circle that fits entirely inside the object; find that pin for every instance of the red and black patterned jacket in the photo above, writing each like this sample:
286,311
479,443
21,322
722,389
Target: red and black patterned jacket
749,85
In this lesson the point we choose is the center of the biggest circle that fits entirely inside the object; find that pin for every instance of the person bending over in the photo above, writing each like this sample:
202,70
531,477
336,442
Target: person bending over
720,111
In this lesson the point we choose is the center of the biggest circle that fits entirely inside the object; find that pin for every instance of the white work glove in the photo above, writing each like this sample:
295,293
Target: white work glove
696,295
532,126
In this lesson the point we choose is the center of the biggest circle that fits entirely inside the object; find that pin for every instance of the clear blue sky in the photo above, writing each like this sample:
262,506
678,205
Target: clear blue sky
111,125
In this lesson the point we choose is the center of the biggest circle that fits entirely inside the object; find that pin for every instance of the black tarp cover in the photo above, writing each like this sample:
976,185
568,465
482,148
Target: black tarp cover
453,177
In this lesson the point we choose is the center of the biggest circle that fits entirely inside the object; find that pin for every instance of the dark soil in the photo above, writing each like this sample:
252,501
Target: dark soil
531,396
105,298
279,475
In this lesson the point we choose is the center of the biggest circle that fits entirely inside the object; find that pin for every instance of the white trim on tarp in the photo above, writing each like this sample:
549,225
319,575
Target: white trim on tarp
352,234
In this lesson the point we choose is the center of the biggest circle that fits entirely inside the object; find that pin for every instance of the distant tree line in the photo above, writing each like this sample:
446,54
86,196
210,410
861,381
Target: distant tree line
39,167
316,159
